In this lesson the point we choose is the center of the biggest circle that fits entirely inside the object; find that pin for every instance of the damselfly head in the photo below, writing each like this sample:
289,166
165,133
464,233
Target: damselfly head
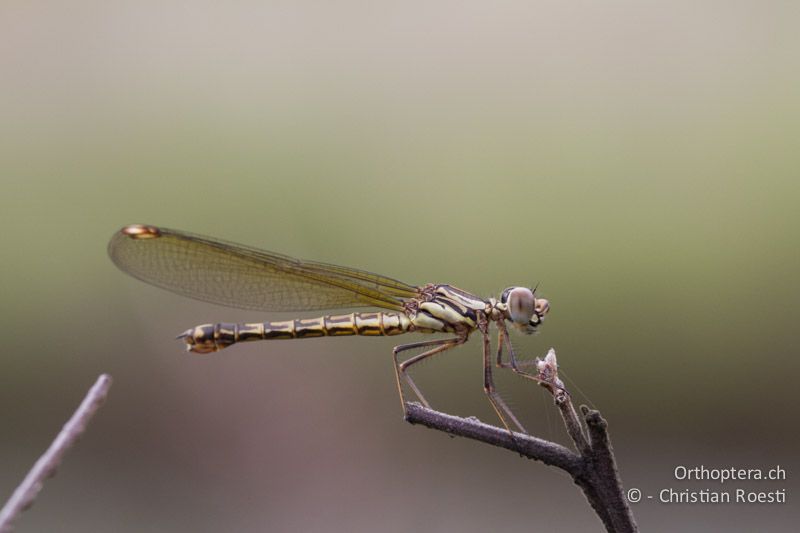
523,309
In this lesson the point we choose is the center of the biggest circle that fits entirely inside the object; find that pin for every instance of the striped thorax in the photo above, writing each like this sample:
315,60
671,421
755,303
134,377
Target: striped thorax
444,308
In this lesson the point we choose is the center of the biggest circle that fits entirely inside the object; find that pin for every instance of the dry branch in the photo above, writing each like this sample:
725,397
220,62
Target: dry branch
592,466
46,466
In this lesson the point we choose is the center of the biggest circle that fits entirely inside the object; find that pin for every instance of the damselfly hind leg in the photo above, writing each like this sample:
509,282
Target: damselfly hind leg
401,368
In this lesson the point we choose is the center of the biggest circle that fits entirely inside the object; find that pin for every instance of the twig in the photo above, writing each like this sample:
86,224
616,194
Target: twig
547,452
593,468
47,464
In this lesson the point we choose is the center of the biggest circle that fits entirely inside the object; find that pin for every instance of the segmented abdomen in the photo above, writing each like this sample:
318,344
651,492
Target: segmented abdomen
212,337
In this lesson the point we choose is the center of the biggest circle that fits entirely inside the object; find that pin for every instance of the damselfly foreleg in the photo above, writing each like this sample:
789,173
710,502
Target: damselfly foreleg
515,366
401,369
504,339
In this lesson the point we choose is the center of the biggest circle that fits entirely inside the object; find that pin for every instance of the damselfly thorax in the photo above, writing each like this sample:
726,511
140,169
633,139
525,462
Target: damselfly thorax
240,276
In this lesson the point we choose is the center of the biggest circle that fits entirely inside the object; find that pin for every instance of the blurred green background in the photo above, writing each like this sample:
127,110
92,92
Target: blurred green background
638,159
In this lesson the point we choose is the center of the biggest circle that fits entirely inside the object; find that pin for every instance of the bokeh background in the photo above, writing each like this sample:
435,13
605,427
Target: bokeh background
638,159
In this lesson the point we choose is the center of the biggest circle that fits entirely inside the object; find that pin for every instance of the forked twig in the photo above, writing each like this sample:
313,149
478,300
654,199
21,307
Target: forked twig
46,466
593,467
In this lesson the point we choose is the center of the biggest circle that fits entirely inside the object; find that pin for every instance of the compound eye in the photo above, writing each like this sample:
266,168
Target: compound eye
520,304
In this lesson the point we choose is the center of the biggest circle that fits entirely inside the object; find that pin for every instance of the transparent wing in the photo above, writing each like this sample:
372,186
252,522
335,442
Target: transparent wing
240,276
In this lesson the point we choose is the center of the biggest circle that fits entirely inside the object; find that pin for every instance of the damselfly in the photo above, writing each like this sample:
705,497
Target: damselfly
230,274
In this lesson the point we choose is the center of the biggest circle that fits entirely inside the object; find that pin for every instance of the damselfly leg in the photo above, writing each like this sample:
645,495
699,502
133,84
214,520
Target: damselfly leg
438,346
517,366
401,368
504,339
497,402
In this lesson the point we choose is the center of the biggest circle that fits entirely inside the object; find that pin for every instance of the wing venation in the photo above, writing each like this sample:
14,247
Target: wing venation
240,276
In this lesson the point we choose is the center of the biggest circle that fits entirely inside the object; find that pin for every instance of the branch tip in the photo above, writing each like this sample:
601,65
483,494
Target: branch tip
592,468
